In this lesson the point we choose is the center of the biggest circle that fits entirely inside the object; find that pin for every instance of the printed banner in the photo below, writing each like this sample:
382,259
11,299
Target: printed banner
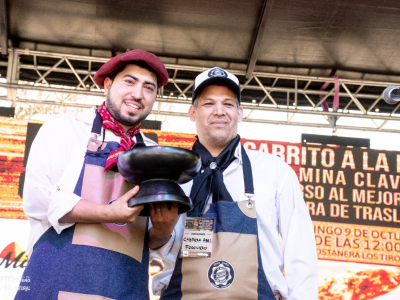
13,259
357,281
358,243
353,197
352,194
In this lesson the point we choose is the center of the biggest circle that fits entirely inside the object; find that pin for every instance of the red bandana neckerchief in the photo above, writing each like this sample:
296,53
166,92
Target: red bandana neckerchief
126,137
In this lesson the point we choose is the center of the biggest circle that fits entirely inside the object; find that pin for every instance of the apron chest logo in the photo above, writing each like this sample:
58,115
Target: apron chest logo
221,274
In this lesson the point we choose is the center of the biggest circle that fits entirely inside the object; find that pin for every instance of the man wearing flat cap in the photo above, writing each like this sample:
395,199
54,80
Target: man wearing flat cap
86,242
256,236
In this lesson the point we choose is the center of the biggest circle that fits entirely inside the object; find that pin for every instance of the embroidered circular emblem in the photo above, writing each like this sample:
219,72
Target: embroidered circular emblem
221,274
119,224
217,72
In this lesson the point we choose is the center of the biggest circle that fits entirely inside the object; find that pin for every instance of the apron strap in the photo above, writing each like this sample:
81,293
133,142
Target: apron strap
97,124
247,175
139,141
139,138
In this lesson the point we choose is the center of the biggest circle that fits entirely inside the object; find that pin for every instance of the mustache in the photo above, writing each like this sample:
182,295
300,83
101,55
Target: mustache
219,120
134,101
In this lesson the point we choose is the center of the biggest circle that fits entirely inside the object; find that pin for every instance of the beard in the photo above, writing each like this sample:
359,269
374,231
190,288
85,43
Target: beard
131,121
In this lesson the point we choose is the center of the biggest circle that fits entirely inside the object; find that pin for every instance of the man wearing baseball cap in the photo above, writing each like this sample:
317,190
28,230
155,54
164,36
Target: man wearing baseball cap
87,242
258,242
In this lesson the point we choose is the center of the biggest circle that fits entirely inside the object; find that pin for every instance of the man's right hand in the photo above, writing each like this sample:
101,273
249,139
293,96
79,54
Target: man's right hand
117,212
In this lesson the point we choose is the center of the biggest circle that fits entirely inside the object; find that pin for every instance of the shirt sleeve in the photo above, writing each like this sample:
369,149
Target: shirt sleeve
299,249
45,200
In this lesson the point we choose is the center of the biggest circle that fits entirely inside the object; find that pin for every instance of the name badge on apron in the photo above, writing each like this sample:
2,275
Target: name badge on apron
198,237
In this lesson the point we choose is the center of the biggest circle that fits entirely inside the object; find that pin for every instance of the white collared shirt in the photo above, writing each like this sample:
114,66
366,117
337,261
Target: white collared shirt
285,229
54,165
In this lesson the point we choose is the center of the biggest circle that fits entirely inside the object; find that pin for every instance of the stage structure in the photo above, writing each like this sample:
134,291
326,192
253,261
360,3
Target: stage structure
64,82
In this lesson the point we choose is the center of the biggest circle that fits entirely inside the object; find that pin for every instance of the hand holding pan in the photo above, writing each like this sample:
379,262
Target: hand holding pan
158,170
